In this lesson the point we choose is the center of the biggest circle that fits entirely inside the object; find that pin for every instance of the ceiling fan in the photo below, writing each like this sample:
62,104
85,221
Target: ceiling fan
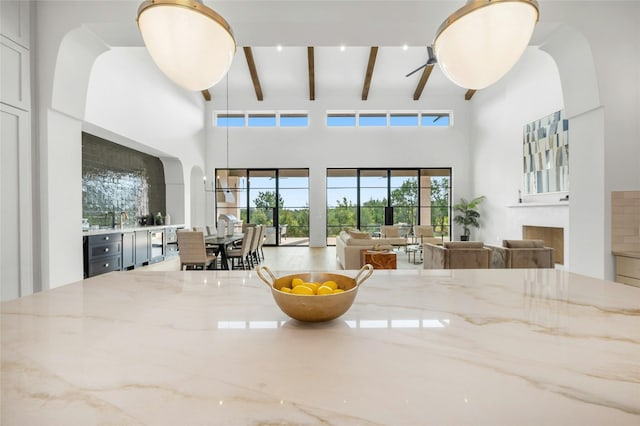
431,59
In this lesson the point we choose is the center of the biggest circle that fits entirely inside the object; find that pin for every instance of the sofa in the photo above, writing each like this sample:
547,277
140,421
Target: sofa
522,254
457,255
349,245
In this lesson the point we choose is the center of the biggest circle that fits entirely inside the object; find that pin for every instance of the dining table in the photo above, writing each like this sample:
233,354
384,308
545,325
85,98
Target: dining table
222,243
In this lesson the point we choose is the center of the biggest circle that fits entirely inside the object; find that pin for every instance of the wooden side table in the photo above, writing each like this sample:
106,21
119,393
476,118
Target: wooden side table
379,259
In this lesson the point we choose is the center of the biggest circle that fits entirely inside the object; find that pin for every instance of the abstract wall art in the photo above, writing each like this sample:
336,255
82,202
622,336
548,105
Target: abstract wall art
545,150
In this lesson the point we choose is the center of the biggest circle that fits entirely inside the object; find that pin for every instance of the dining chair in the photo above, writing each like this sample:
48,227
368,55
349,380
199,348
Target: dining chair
240,256
211,249
261,240
193,252
253,250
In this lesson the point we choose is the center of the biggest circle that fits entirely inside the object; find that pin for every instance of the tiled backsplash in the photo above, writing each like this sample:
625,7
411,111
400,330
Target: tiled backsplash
625,221
116,179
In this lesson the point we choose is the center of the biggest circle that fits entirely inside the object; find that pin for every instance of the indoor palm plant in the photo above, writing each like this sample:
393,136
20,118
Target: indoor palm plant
467,215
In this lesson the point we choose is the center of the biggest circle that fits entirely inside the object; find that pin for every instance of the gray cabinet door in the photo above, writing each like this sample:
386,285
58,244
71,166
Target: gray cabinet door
143,247
128,250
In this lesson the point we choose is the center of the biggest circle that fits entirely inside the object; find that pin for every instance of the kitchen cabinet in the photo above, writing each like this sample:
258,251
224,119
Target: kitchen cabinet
123,249
128,250
143,247
103,253
628,268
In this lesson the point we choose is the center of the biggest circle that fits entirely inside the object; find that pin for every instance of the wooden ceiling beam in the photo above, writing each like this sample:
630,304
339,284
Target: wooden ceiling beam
206,95
248,54
312,73
423,82
367,79
469,94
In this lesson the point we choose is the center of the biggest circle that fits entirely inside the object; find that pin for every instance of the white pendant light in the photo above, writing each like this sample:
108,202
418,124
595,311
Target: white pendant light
190,43
480,42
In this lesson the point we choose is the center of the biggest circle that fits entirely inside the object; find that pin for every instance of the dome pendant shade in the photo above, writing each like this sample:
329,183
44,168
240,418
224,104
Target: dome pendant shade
479,43
190,43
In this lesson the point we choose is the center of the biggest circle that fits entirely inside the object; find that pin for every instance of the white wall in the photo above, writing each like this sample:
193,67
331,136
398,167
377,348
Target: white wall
601,90
152,115
319,147
115,94
531,90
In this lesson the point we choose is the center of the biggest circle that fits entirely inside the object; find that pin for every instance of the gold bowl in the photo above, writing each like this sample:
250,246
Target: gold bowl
315,308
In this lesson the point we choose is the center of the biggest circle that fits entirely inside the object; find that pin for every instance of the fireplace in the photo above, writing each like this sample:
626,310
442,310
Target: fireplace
552,236
550,223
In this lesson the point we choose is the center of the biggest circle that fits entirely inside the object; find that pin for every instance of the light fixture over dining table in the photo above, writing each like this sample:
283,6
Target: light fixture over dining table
190,43
480,42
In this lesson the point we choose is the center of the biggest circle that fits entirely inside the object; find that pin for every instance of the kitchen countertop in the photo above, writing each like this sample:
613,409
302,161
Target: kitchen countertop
456,347
118,230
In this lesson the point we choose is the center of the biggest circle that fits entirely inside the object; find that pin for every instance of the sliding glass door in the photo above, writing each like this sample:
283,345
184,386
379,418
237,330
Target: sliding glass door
277,198
369,198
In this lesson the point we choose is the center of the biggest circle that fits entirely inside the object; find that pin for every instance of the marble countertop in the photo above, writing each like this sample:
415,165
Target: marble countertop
456,347
118,230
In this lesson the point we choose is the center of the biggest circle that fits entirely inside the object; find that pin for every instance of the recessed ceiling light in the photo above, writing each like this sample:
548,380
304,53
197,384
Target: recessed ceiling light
405,47
279,47
342,47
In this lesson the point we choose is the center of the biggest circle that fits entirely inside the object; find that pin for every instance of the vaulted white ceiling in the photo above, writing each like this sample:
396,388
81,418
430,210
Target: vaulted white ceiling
326,25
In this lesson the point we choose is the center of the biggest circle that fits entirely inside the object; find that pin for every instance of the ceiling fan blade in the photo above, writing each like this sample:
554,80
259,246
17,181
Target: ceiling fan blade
416,70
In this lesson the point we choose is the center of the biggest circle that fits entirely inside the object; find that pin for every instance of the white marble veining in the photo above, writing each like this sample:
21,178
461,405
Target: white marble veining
491,347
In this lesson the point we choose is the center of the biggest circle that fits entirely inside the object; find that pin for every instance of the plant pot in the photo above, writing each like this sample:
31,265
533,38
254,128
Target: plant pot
464,238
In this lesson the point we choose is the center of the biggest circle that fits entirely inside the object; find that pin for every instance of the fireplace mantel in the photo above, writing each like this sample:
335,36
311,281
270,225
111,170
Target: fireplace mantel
520,205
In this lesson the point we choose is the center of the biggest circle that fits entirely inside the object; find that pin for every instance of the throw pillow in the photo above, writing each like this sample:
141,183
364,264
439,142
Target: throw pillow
391,232
359,234
423,231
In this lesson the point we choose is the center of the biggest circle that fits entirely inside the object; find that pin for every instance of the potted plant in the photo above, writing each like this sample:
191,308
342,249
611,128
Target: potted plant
468,215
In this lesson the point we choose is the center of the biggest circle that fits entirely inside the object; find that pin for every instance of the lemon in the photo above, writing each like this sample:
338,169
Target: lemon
285,289
338,290
296,281
325,289
331,284
312,286
303,290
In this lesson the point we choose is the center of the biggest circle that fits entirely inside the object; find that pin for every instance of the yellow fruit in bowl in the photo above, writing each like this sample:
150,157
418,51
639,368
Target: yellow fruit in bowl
303,290
338,290
285,289
331,284
296,281
312,286
324,289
